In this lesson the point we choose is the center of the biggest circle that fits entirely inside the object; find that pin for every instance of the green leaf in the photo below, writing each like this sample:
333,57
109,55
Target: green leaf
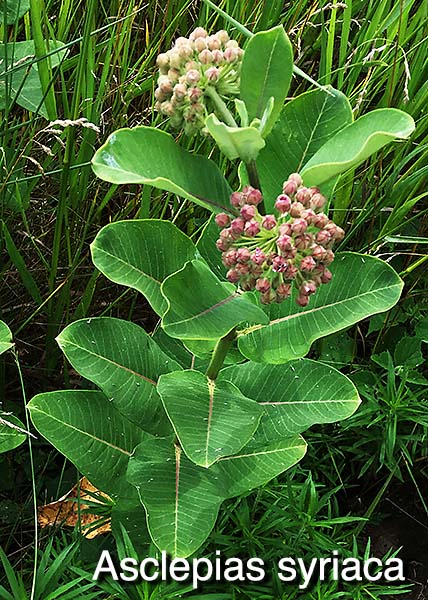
211,419
125,363
235,142
18,67
361,286
266,73
255,465
141,254
181,500
15,9
201,307
151,156
91,433
206,245
408,352
12,432
305,124
294,396
5,338
21,266
356,142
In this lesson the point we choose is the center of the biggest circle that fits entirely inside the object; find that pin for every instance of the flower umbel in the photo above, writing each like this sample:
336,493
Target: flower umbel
186,71
271,253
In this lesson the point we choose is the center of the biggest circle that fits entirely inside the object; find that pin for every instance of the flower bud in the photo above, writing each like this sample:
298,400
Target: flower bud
200,45
279,264
304,196
206,57
218,57
296,178
193,76
309,216
232,44
222,219
283,291
299,226
317,201
248,283
253,195
190,66
229,258
285,229
242,268
320,220
268,297
230,55
199,32
222,245
213,42
248,212
162,60
302,300
319,253
223,36
166,87
269,222
329,256
194,94
233,276
180,90
167,108
301,242
263,285
243,255
185,51
307,264
173,75
212,74
283,203
323,237
258,256
326,276
289,187
252,228
237,226
237,199
175,59
284,242
296,209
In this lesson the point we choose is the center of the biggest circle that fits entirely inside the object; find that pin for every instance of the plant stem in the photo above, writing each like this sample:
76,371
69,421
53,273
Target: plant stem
219,354
220,106
253,178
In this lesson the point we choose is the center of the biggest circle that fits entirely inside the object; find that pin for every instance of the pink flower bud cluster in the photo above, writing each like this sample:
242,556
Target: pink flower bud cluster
187,70
271,253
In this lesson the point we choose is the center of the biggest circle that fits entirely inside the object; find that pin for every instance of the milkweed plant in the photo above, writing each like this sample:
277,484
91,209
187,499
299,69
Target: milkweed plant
214,402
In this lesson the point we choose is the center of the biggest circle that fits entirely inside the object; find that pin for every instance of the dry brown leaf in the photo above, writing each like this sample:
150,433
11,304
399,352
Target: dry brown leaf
70,512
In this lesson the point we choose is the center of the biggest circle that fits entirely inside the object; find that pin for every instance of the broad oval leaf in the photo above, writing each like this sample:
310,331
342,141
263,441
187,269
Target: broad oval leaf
5,338
202,307
22,75
211,418
305,124
140,254
150,156
125,363
12,432
266,73
255,465
85,427
12,10
356,142
294,396
235,142
181,500
361,286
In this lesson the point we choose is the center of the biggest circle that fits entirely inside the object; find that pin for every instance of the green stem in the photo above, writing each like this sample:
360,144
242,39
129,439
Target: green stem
220,106
253,178
219,354
43,63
